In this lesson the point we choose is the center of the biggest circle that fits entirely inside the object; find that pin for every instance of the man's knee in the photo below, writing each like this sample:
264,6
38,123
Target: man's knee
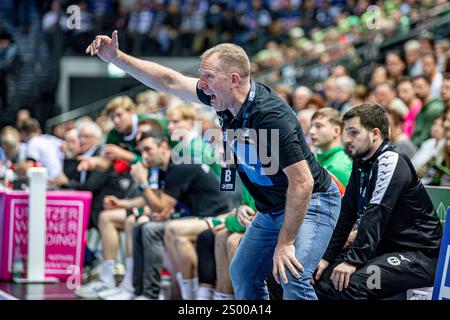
152,231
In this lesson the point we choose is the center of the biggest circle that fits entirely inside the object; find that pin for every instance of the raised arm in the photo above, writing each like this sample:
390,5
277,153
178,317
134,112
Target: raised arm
151,74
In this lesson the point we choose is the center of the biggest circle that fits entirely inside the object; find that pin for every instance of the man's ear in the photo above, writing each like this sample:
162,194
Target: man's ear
376,134
235,79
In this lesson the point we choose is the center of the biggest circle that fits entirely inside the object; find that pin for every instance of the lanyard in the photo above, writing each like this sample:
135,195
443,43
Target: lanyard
228,175
364,182
245,116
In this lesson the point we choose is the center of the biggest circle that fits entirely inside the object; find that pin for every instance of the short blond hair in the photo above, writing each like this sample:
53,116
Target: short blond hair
230,56
186,112
124,102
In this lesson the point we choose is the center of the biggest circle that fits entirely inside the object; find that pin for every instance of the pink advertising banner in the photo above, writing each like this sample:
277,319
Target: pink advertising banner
67,215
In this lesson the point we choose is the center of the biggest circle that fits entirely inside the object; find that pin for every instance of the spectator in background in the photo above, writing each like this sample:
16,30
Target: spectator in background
359,95
405,90
386,96
330,92
326,135
71,144
192,26
139,26
379,75
412,54
398,138
192,148
316,102
304,118
100,183
445,90
22,114
300,98
430,147
39,150
442,50
395,66
8,55
344,87
438,171
429,69
431,108
14,150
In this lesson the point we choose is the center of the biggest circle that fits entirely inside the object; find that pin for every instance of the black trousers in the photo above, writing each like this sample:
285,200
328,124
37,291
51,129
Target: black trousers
206,259
384,276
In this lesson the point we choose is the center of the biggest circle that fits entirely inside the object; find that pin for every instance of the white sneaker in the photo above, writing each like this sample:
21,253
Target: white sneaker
142,298
91,290
123,294
110,292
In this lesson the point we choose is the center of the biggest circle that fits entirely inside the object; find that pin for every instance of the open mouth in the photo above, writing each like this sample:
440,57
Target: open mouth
213,98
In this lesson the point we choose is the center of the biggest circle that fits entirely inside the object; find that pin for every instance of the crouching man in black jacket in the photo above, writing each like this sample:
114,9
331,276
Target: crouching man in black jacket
398,232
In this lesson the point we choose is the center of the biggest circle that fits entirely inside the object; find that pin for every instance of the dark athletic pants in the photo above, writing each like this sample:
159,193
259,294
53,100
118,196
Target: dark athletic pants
396,272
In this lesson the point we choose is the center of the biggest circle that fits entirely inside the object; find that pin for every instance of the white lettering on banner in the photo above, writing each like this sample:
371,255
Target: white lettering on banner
20,212
64,223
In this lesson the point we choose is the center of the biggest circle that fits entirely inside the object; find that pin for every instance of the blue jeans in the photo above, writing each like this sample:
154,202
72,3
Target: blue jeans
253,260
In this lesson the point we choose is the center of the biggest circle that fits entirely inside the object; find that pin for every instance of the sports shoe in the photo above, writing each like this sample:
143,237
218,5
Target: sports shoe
110,292
123,294
142,298
91,290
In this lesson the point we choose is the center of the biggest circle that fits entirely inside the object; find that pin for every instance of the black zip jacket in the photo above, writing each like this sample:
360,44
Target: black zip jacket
396,213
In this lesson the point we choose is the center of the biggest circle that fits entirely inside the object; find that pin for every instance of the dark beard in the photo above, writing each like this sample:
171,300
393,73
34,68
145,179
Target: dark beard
361,154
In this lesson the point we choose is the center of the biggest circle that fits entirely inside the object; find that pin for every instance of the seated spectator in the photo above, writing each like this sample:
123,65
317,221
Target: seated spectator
22,114
412,56
304,118
39,150
395,66
316,102
326,136
398,138
330,92
445,90
438,173
399,233
192,148
430,70
430,148
120,148
379,75
386,96
71,146
13,149
431,108
406,92
300,98
100,183
344,86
